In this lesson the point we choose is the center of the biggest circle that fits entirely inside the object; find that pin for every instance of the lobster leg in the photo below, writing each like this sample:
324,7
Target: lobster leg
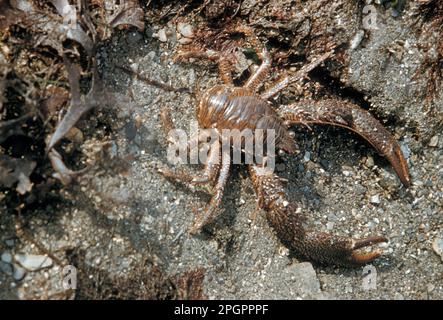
212,165
318,246
210,172
224,63
300,74
348,115
256,79
210,212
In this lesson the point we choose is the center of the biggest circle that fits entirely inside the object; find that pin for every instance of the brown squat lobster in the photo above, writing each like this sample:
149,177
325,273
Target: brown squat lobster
228,107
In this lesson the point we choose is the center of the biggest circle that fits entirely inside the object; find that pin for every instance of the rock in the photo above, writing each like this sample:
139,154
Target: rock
307,156
324,163
6,257
437,245
161,35
356,40
185,41
433,142
19,273
330,226
306,278
185,30
347,173
33,262
369,162
430,287
6,268
375,199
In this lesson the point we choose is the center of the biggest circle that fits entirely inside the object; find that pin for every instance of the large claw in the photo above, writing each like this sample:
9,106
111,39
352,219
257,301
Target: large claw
347,115
326,248
357,257
321,247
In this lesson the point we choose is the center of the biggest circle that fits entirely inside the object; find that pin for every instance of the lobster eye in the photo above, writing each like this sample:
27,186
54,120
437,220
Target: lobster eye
291,134
281,152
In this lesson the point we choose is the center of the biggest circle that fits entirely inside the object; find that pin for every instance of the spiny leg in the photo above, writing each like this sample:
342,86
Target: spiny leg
212,165
210,171
348,115
256,79
300,74
210,212
289,226
224,63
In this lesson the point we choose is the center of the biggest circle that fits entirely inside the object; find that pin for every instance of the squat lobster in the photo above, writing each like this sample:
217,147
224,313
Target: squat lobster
228,107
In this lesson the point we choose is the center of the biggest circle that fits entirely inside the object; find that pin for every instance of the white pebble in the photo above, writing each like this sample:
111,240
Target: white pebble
433,142
375,199
6,257
437,245
356,40
185,30
6,268
185,41
33,262
161,35
19,273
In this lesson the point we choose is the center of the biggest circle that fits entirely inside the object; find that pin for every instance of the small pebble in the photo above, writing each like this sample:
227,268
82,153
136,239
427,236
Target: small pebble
437,245
6,268
369,162
324,163
433,142
33,262
185,41
356,40
161,35
375,199
9,242
307,156
185,29
346,173
6,257
19,273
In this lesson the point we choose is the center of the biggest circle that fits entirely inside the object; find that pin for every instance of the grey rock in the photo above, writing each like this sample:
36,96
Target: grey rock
437,245
307,281
9,242
19,273
433,142
33,262
375,199
161,35
185,29
6,268
6,257
356,40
